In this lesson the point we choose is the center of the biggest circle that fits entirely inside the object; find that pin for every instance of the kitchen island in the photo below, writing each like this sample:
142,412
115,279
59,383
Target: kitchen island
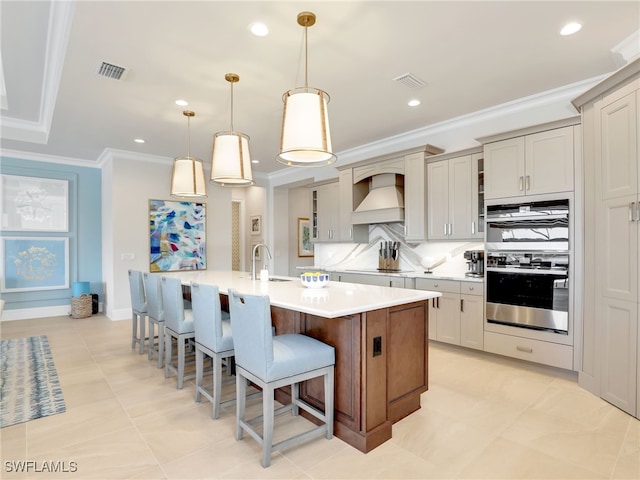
380,335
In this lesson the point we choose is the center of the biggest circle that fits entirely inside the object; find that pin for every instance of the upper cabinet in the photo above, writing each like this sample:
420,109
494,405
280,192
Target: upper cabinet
538,163
455,203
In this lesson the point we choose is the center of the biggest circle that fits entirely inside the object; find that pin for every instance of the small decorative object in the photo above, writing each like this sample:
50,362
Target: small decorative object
305,247
314,279
256,225
82,306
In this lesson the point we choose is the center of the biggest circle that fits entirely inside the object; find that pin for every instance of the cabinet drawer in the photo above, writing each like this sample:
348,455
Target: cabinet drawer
547,353
449,286
472,288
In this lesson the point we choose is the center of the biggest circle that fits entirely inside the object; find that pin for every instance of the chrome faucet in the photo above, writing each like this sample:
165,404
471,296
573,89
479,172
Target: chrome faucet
253,258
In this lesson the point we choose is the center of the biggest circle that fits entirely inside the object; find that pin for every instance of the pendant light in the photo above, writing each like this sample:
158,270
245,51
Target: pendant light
305,139
187,179
231,160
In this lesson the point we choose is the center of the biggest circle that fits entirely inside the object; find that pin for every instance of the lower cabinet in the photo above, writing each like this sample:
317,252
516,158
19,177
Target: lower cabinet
369,279
538,351
457,317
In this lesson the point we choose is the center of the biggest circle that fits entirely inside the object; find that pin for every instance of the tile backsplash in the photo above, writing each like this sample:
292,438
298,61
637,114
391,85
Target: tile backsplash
441,257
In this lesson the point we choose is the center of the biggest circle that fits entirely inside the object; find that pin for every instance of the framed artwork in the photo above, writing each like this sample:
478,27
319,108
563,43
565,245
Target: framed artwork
34,204
177,233
34,263
258,257
256,225
305,247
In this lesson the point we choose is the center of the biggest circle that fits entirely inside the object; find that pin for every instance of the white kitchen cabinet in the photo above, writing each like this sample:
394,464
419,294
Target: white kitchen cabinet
610,363
450,199
477,196
415,197
331,206
534,164
369,279
457,316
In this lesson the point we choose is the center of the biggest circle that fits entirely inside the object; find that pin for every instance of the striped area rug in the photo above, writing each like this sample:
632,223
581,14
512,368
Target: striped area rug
29,385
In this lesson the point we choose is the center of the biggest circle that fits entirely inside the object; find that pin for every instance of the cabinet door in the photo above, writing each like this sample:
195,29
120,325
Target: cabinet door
504,168
477,195
619,147
415,197
617,236
618,380
438,200
472,321
549,164
448,318
327,212
460,198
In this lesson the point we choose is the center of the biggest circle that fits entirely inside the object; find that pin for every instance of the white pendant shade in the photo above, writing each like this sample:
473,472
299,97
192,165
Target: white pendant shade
187,179
306,139
231,160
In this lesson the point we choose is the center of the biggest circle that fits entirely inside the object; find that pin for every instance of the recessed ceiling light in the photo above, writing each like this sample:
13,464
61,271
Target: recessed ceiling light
138,140
570,28
182,103
259,29
414,103
255,161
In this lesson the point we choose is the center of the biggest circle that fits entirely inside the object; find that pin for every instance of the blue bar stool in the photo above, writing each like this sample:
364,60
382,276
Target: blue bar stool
213,338
272,362
178,324
138,309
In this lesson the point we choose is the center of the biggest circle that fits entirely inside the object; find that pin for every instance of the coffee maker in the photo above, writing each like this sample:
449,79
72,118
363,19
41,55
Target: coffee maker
475,263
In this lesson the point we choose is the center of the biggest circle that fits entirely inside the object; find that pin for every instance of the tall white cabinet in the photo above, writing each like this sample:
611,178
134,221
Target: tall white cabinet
611,337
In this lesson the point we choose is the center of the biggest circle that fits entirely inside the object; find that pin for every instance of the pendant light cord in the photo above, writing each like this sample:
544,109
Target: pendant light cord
231,106
306,63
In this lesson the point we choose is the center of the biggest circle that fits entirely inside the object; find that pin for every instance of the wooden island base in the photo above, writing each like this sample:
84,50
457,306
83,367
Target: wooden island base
381,367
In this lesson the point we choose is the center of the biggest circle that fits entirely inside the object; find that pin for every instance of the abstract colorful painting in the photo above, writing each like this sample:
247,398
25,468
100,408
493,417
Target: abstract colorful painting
177,232
34,263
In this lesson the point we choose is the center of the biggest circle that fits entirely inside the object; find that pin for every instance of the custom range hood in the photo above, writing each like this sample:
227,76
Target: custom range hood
384,203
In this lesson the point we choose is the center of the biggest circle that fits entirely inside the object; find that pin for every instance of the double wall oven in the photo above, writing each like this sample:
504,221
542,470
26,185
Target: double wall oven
527,265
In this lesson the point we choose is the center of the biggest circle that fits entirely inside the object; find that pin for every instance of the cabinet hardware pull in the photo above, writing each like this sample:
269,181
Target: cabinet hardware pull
445,228
524,349
528,183
631,208
473,228
438,302
350,232
521,184
435,285
433,302
391,283
638,212
450,228
471,288
462,305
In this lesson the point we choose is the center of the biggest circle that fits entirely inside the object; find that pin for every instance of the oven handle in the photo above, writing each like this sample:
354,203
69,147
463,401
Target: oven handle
520,218
534,271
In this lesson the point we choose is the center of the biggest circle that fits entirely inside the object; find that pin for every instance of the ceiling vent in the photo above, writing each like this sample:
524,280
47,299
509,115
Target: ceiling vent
410,80
110,70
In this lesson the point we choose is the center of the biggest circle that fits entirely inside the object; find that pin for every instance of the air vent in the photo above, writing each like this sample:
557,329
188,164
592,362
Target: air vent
110,70
410,80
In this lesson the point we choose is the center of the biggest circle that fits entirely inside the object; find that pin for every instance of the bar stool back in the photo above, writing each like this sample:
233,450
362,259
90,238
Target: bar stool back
213,338
155,311
178,324
272,362
138,309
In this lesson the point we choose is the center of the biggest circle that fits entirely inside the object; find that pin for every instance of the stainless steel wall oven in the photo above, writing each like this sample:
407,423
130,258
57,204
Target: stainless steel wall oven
527,272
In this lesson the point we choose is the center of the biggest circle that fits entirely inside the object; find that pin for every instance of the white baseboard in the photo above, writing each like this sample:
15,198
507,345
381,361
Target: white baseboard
39,312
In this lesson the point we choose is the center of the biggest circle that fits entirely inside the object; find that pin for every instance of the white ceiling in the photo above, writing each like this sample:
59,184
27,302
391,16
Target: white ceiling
472,55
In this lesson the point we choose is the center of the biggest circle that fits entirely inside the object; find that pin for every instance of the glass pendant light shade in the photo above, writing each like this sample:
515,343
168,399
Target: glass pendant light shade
187,178
306,138
231,160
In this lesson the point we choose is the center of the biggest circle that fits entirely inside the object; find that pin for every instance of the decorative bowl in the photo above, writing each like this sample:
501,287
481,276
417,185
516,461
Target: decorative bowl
314,279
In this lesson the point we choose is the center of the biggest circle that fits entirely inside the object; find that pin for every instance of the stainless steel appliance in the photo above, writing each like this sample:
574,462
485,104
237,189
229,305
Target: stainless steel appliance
475,263
527,265
528,289
542,225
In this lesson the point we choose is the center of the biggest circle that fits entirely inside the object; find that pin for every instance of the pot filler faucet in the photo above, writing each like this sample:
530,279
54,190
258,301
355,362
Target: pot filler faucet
253,258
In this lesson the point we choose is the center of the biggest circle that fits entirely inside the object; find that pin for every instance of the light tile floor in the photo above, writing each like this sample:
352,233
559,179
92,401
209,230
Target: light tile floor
483,417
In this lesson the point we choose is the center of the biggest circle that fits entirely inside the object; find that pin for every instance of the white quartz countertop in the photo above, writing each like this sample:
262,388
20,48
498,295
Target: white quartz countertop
461,277
336,299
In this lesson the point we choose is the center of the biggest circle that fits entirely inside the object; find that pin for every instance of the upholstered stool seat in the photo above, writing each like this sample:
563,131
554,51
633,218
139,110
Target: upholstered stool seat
138,309
178,324
272,362
213,338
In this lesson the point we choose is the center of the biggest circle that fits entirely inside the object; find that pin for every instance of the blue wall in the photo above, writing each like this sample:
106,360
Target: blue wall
85,231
